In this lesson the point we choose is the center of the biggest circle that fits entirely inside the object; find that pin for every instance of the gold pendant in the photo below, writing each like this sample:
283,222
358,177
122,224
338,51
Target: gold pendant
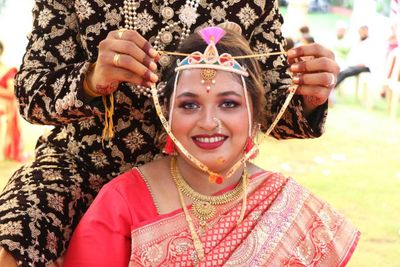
203,211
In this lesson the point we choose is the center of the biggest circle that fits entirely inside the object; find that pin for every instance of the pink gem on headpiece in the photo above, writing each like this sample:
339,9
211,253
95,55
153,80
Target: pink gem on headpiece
212,34
211,59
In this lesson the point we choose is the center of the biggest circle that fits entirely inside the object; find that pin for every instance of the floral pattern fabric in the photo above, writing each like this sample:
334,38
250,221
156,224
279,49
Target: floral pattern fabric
43,201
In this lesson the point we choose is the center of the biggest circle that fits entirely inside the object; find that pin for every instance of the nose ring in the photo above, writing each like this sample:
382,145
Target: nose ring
219,125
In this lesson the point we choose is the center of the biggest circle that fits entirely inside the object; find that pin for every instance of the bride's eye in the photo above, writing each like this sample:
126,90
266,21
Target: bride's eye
229,104
189,105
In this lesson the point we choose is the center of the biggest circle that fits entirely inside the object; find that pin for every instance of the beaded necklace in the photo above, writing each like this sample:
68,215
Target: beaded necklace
187,17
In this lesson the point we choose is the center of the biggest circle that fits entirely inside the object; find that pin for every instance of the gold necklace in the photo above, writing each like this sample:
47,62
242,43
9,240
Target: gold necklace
203,206
198,246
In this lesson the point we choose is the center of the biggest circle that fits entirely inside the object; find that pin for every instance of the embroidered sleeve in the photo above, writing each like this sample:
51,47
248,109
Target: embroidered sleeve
267,37
49,83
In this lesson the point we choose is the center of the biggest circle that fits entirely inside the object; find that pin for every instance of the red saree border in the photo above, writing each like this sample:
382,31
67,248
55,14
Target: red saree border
351,250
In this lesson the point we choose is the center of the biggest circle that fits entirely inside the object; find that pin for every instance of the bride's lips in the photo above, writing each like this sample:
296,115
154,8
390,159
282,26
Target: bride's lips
209,141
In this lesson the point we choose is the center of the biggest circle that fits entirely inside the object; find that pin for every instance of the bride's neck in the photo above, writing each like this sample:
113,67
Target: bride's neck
199,180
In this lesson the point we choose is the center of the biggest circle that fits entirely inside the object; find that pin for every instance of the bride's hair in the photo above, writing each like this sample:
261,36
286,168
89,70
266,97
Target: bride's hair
234,44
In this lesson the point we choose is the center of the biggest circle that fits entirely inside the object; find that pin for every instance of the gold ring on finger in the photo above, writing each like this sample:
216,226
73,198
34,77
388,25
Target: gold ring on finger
116,59
332,83
121,33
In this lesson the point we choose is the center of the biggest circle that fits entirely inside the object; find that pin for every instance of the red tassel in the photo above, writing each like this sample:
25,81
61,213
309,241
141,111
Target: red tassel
219,180
249,146
214,178
169,148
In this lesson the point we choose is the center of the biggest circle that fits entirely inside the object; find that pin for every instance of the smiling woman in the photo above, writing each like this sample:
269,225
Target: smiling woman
205,203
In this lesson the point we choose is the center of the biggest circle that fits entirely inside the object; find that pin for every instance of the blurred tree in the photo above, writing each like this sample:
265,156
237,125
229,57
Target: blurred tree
283,2
2,4
343,3
383,7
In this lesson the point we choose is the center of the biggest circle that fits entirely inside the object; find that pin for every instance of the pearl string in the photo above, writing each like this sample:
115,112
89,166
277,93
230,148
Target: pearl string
164,35
188,17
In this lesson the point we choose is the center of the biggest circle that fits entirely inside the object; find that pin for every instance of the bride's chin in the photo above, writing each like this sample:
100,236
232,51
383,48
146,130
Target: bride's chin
212,165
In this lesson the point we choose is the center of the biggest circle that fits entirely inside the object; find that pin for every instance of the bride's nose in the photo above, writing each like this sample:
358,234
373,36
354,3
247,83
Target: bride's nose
208,120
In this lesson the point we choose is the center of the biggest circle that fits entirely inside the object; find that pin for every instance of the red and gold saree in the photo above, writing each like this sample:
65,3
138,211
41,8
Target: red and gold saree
285,225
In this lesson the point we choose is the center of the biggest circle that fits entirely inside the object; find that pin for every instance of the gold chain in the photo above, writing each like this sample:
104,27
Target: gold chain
198,246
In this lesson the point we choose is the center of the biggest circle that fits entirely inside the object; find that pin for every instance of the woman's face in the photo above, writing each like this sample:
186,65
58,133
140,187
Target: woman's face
211,124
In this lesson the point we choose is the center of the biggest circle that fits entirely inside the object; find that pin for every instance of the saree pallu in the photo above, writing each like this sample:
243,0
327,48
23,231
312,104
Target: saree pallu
284,225
8,75
10,128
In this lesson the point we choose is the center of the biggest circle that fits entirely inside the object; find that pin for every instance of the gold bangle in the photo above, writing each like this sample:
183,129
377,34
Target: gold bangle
86,87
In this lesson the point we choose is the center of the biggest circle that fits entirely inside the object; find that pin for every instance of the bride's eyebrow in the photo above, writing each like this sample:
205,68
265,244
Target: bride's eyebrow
187,94
227,93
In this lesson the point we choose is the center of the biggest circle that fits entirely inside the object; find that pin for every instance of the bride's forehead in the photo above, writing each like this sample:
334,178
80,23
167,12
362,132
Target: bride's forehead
198,71
196,76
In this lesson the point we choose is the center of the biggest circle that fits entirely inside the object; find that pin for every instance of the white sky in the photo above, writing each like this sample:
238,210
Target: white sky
16,23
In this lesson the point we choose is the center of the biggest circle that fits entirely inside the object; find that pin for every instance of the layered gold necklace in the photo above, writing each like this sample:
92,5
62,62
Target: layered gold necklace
204,206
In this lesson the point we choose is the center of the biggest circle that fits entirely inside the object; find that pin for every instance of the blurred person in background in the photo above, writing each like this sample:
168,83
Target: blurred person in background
390,60
340,44
10,127
359,59
392,53
308,40
392,39
289,43
341,47
305,36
